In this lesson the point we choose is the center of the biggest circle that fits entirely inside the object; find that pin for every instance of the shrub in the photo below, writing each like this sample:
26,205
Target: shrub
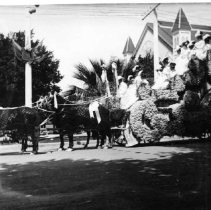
140,120
144,92
191,100
160,122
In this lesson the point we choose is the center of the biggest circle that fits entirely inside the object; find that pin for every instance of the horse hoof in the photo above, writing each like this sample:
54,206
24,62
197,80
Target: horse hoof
69,150
61,149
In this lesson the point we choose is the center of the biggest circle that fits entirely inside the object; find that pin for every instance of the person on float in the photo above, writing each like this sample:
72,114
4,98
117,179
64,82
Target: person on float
139,80
199,40
184,48
191,45
199,46
191,50
122,86
130,97
207,40
161,81
136,70
170,71
173,70
166,67
182,59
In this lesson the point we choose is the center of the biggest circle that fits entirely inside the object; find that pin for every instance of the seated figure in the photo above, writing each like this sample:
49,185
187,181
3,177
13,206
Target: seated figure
162,79
182,59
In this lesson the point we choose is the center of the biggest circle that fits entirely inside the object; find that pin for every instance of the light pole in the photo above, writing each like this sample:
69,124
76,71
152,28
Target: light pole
28,68
155,39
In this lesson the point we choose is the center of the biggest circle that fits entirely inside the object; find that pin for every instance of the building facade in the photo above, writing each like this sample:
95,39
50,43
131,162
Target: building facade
170,36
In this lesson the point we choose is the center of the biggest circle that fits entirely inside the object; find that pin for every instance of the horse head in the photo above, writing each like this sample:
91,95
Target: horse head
46,102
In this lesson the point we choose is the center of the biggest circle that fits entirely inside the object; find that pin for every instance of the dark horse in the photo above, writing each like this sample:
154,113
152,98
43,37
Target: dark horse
24,122
72,117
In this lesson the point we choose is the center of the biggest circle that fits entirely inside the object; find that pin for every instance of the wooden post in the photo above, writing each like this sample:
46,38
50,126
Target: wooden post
114,67
155,41
105,80
107,86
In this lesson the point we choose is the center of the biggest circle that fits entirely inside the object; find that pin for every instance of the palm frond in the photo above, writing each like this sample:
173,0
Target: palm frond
85,75
96,65
89,77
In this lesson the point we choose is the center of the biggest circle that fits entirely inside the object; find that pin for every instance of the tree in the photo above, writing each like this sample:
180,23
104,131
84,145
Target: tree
146,63
12,73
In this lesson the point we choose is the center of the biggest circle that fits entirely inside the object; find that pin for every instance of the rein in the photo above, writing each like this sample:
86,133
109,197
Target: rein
82,103
44,110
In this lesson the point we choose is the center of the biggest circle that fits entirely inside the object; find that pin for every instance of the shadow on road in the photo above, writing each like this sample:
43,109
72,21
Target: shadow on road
179,182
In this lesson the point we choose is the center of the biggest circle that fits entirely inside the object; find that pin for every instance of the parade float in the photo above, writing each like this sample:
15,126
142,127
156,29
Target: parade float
181,109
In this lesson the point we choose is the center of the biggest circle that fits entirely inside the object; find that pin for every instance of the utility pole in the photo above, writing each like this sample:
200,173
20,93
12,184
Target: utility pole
28,68
155,39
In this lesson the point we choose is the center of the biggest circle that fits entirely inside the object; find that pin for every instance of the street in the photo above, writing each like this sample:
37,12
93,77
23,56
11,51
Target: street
150,177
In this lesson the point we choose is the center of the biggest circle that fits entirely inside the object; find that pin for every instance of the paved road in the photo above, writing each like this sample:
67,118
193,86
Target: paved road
153,177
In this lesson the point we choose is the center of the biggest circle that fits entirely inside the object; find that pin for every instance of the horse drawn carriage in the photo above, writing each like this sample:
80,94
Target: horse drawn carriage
182,109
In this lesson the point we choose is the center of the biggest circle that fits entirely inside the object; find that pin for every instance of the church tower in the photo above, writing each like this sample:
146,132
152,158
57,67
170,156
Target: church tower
181,30
128,49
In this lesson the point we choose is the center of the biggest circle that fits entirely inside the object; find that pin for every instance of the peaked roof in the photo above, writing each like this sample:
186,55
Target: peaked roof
181,22
164,35
129,46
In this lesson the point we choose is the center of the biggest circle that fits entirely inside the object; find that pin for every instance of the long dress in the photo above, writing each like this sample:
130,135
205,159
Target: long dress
161,82
200,50
182,62
122,89
129,98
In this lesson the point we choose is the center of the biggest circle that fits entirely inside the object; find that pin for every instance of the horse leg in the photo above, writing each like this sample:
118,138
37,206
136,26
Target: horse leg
110,139
87,140
34,145
24,143
35,139
61,135
98,139
70,136
103,136
23,147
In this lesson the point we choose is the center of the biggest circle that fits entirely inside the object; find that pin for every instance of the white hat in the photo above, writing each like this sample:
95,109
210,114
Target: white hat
119,77
206,36
198,33
178,48
135,68
103,65
191,44
139,73
129,77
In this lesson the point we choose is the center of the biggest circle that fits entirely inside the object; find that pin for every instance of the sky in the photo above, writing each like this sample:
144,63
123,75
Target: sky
77,33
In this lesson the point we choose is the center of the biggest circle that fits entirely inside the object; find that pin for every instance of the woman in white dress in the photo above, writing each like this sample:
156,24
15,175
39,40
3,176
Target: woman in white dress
182,59
162,80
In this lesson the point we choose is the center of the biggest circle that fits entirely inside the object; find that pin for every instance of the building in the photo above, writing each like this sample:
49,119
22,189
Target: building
170,35
128,49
